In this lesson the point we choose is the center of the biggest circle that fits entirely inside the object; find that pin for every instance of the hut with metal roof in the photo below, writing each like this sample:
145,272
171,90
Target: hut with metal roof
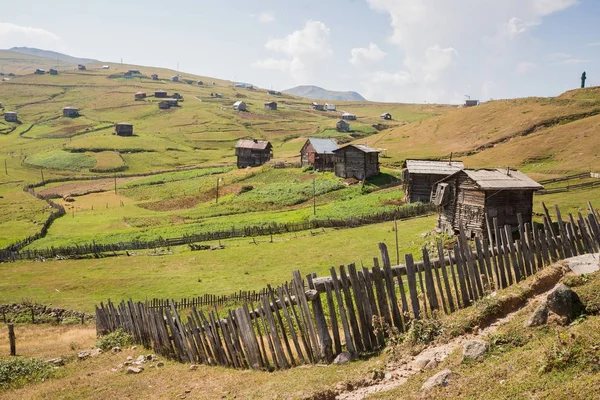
239,106
348,116
175,78
11,116
123,129
140,95
386,115
316,106
342,126
467,196
356,161
70,112
318,153
252,152
154,77
420,176
53,71
160,94
81,67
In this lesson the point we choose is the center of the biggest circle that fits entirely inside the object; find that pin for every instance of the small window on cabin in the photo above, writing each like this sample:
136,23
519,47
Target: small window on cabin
441,194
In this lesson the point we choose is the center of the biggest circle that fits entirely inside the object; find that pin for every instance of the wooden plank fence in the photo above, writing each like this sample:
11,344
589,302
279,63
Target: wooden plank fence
311,319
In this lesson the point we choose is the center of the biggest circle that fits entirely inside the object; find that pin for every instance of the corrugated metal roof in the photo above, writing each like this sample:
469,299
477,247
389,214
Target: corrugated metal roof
498,179
237,103
323,146
70,108
347,114
433,167
252,144
361,147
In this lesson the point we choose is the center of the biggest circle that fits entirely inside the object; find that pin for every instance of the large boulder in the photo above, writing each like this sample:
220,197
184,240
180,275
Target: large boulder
474,349
539,316
565,303
442,378
343,358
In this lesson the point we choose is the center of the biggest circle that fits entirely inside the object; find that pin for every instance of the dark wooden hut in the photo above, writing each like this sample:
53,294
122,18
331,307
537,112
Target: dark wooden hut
271,105
240,106
420,176
466,196
140,95
123,129
356,161
81,67
160,94
318,153
154,77
11,116
342,126
164,105
70,112
252,152
53,71
386,115
317,106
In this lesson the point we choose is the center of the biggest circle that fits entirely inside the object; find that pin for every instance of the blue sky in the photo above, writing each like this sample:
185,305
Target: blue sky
388,50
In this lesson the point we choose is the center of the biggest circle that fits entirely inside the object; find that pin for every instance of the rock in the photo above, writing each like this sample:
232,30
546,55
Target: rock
116,349
160,364
377,375
56,361
343,358
420,362
442,378
134,370
129,358
133,347
141,359
431,364
539,316
150,357
474,349
120,366
193,367
82,355
565,303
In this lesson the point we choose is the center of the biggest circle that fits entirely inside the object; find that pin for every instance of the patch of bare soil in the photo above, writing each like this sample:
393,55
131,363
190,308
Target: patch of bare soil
81,188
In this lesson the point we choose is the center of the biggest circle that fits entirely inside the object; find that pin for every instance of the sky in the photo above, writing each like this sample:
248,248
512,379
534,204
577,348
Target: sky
417,51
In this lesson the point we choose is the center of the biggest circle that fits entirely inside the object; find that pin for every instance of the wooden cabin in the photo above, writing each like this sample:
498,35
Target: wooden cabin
218,96
272,106
160,94
356,161
342,126
40,71
252,152
420,176
70,112
175,78
164,105
239,106
140,95
81,67
128,75
471,103
274,93
53,71
177,96
349,117
330,107
123,129
11,116
317,106
467,196
386,116
318,153
154,77
200,83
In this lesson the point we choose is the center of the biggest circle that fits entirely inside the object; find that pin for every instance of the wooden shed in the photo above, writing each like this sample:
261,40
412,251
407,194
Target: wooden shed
175,78
200,83
274,93
356,161
160,94
342,126
386,116
271,105
349,117
318,153
40,71
140,95
471,103
53,71
164,105
466,196
81,67
330,107
123,129
252,152
317,106
70,112
154,77
11,116
128,75
420,176
239,106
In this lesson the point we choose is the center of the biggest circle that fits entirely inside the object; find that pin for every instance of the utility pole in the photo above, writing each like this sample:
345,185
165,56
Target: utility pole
218,179
5,168
43,181
314,197
115,183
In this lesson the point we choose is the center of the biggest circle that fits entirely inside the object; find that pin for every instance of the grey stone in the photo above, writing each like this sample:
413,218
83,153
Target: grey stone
539,316
442,378
82,355
474,349
134,370
431,364
56,361
193,367
141,359
564,302
129,358
116,349
343,358
160,364
150,357
421,362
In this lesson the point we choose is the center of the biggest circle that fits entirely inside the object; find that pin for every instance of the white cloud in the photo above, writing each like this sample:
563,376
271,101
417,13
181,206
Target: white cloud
303,51
361,56
525,67
266,17
572,61
12,35
490,37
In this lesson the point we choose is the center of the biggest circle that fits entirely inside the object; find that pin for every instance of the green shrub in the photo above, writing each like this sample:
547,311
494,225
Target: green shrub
19,371
118,338
424,331
564,352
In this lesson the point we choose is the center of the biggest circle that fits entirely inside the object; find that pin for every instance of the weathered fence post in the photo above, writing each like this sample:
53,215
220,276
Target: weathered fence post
12,339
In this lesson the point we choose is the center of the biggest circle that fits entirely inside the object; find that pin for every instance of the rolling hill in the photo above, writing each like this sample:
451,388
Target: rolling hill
317,93
52,55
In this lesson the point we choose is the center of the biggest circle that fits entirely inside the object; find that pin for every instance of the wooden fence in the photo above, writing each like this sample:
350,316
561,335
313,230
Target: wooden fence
569,187
210,300
408,211
295,324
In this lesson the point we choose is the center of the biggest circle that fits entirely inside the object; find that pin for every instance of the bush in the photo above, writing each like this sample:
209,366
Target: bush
246,188
118,338
563,353
425,330
19,371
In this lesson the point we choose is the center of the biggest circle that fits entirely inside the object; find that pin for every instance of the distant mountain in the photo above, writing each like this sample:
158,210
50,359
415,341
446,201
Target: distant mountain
318,93
53,55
